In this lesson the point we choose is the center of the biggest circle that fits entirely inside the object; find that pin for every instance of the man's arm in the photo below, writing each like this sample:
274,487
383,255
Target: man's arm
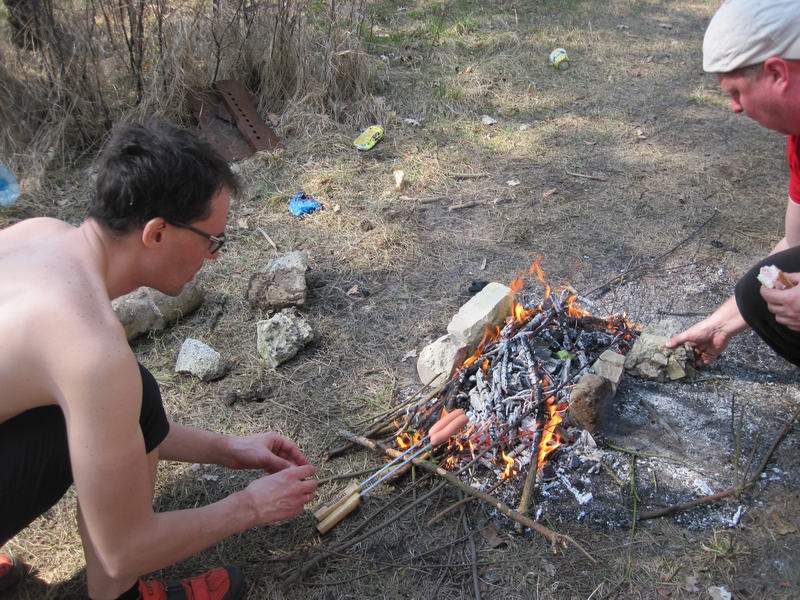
109,465
271,452
711,336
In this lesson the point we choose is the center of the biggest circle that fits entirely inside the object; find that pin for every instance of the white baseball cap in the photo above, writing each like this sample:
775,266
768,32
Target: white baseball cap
748,32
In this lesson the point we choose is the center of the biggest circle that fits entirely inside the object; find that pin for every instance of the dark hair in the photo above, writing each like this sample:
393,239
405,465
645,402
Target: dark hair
157,170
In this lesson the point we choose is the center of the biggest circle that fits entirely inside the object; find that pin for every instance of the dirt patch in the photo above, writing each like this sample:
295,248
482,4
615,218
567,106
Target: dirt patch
635,110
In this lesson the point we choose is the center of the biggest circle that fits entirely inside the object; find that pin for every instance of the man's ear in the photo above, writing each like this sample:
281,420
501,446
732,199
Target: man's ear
153,232
777,69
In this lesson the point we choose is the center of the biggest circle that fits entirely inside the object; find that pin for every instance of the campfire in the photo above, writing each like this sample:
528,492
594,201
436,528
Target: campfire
515,389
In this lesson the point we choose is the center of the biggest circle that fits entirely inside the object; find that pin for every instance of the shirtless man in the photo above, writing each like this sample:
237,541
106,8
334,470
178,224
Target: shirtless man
76,406
754,47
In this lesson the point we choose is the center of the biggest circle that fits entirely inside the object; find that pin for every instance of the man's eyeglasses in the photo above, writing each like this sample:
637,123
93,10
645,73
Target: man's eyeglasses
217,241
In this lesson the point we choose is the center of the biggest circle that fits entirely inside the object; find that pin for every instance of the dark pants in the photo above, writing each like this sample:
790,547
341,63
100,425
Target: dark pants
35,469
780,338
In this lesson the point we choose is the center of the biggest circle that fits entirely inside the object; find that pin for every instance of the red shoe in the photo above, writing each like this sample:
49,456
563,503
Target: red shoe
222,583
10,573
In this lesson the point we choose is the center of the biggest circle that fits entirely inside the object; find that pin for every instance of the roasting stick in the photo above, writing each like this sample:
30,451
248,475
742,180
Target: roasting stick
348,504
321,513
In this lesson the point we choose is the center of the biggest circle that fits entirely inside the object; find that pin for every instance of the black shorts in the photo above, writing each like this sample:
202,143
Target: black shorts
753,308
35,470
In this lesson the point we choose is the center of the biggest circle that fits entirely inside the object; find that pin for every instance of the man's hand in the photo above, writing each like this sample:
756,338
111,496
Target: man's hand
708,339
271,452
282,495
785,304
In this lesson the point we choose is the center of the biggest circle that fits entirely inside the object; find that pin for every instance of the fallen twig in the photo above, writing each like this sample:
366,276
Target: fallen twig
468,175
584,176
269,239
462,205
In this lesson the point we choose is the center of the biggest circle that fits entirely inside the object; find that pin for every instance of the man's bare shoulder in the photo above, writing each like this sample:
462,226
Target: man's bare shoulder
55,315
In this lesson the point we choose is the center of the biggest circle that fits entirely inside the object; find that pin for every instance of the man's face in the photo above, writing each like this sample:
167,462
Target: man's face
190,250
758,97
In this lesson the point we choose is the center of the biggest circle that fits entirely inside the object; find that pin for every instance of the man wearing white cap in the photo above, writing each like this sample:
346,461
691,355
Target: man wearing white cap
754,47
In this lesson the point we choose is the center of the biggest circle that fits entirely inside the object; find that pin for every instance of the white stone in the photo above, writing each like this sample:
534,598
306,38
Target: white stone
435,362
201,360
488,307
146,309
282,337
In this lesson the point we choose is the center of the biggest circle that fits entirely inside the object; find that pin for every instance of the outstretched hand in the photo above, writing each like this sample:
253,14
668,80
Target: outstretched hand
270,452
707,338
785,304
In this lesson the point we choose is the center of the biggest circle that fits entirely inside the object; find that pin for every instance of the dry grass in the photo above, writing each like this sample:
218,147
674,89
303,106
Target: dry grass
446,64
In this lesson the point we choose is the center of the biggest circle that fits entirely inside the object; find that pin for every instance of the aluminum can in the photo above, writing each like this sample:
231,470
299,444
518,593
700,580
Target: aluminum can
559,59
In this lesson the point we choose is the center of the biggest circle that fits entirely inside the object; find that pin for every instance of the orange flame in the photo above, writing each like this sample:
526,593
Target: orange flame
551,439
489,336
406,440
509,469
573,310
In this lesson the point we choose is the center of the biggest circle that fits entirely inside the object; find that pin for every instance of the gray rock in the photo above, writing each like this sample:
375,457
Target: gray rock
435,362
282,337
281,284
649,359
146,309
201,360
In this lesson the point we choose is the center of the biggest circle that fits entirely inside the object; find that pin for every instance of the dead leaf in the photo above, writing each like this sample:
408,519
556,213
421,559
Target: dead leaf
354,291
412,122
549,193
243,224
491,535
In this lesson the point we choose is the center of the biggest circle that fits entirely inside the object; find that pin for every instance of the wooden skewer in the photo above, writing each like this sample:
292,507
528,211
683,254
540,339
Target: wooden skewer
334,513
321,513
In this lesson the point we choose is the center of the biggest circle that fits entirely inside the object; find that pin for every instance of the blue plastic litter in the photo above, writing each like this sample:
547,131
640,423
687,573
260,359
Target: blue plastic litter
9,188
300,204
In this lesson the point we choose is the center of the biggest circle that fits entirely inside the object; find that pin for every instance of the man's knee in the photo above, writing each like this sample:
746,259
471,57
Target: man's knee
748,296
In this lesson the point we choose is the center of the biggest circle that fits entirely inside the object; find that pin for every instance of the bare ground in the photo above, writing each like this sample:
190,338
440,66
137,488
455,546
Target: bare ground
634,107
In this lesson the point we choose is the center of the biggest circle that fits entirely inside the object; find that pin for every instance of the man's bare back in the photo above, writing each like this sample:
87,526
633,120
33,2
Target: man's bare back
50,288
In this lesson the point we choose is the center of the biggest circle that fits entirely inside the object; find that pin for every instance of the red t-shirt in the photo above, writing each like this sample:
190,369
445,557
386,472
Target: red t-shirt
792,149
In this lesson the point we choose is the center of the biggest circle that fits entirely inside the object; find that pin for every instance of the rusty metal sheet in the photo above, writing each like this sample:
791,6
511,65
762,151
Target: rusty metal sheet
218,126
242,106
